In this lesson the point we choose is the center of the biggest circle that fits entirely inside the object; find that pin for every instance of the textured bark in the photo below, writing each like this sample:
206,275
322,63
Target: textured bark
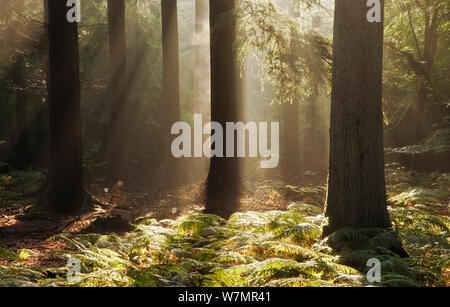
65,179
171,84
356,187
118,119
224,179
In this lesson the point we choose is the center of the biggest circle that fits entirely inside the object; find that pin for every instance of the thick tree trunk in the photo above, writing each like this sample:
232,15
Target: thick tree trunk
356,187
118,94
171,85
224,179
65,179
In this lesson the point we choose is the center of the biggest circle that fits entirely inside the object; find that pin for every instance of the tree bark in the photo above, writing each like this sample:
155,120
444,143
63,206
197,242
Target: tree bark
118,118
224,180
356,186
65,179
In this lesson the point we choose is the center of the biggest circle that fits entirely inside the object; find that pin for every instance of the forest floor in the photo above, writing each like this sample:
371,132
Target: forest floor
274,240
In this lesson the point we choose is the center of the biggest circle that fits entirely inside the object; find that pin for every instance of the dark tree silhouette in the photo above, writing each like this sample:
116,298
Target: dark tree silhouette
118,94
356,188
224,181
65,178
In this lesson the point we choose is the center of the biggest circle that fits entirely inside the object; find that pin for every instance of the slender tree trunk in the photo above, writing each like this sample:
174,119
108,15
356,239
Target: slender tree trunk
224,175
356,187
118,93
202,58
201,103
171,84
65,179
420,126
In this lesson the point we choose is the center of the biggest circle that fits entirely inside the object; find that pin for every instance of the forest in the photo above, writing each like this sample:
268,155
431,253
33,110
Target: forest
224,143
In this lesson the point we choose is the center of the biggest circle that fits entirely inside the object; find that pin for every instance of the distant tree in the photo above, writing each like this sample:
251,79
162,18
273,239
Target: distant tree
65,178
224,174
20,46
314,151
310,151
296,64
291,117
118,93
356,187
201,71
291,141
423,27
21,112
171,84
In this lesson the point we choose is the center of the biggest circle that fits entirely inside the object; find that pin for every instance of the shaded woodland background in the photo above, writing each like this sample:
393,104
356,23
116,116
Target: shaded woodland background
140,66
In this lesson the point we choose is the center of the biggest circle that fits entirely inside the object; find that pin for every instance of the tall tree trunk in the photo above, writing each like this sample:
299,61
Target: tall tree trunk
224,175
118,94
65,178
356,187
201,68
291,163
201,103
171,84
430,45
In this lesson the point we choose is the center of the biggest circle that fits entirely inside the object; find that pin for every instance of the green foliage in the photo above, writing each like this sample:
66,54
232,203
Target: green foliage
7,254
18,187
426,239
404,61
437,142
293,62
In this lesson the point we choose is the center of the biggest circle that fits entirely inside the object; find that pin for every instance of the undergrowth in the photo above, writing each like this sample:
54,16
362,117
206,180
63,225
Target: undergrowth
275,248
